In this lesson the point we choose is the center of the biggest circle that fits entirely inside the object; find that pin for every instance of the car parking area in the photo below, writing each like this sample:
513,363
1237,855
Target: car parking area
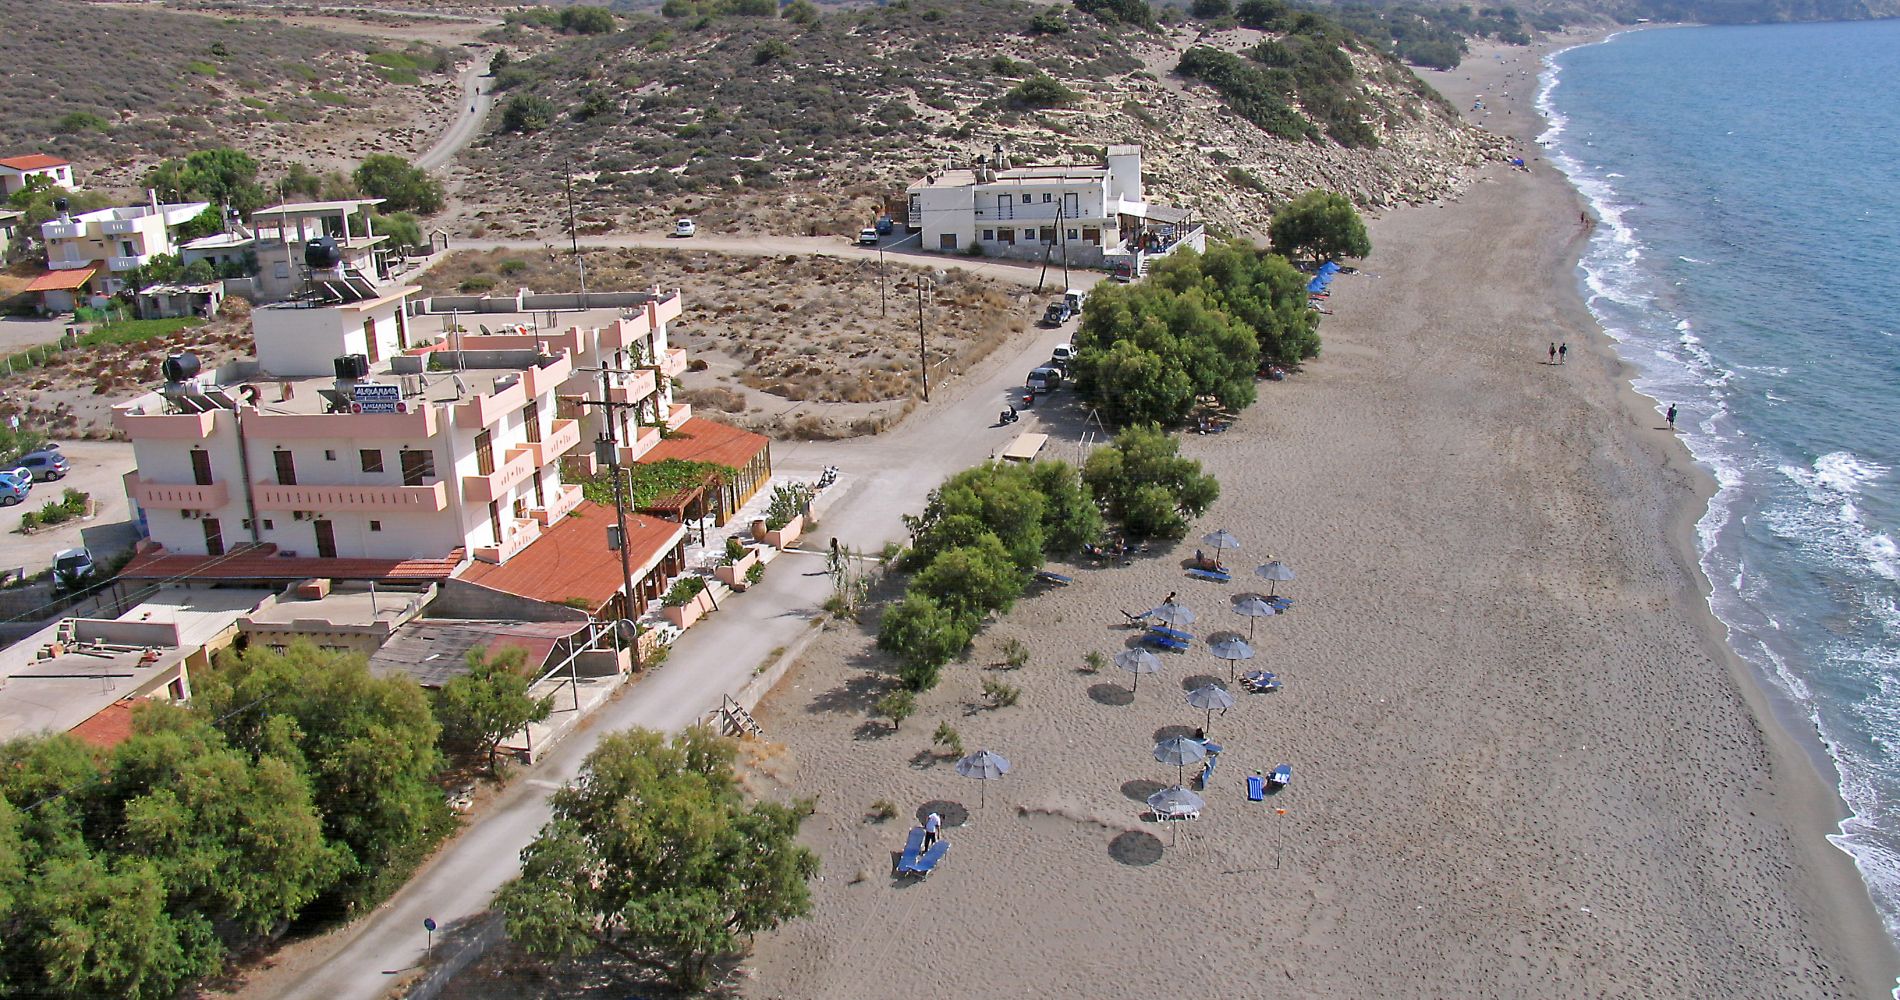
98,469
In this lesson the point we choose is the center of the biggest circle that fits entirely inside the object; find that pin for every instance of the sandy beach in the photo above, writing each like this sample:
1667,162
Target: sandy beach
1525,763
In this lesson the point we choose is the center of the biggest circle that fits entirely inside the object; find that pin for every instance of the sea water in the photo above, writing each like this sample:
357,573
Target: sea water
1747,261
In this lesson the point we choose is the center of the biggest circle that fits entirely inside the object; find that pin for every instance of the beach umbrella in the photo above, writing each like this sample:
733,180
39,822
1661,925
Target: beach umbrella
1138,662
983,766
1220,541
1173,802
1173,614
1276,572
1254,607
1233,649
1180,751
1209,698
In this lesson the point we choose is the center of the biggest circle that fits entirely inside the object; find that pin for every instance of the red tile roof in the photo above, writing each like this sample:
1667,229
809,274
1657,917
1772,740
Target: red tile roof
111,726
702,440
261,562
32,161
571,558
58,281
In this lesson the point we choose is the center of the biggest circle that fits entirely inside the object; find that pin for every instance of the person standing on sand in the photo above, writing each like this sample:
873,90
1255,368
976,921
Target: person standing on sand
932,823
1671,415
1563,353
1169,599
1553,352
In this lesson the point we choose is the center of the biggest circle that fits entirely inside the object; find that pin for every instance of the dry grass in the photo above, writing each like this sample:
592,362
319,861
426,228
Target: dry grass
796,345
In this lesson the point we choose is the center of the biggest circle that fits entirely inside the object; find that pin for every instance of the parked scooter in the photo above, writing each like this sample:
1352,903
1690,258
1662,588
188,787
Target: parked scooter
1008,416
828,476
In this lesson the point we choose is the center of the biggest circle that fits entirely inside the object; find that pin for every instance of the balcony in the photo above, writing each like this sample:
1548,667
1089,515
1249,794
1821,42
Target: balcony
417,424
332,497
557,442
645,439
69,264
123,263
673,362
117,227
678,415
559,505
632,388
523,535
495,485
61,230
175,496
164,426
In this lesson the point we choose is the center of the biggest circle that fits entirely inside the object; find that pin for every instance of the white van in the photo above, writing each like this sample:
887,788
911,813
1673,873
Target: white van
1075,297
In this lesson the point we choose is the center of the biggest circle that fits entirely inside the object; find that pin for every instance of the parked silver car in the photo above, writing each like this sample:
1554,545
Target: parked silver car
15,486
46,464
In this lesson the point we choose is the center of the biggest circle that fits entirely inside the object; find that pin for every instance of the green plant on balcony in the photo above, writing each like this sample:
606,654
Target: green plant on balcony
683,591
735,551
755,573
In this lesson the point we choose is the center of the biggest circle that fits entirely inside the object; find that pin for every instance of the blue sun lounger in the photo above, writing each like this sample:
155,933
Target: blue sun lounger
1207,770
1215,575
1056,578
1171,632
923,866
913,849
1281,776
1166,642
1256,788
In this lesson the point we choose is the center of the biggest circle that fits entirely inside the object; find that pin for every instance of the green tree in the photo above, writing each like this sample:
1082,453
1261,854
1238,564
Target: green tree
489,703
1070,516
924,635
205,223
897,704
1040,91
1048,22
403,187
1211,10
803,13
91,926
198,272
402,228
368,744
526,113
499,61
35,201
1147,485
689,874
1134,13
1259,289
1321,225
587,20
972,580
222,176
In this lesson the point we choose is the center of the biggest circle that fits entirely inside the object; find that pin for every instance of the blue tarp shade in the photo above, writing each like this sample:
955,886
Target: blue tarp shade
1319,283
1329,268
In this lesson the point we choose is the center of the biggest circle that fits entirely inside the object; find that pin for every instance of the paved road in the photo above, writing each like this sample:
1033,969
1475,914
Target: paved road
883,478
477,98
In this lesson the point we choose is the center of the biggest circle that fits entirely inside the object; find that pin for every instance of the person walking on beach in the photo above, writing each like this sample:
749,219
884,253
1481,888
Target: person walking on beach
932,823
1563,353
1671,415
1170,598
1553,352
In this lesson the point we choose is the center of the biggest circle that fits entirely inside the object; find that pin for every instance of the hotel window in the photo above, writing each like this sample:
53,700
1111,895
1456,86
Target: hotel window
417,467
286,467
494,519
376,526
531,418
200,467
1047,197
948,241
329,454
214,537
989,235
520,509
372,459
539,499
485,453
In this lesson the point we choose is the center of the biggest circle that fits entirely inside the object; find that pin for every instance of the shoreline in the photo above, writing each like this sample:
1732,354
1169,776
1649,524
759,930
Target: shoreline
1527,762
1813,805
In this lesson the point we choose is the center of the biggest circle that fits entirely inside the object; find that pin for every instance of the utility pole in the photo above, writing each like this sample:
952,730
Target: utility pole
923,356
883,296
605,450
573,235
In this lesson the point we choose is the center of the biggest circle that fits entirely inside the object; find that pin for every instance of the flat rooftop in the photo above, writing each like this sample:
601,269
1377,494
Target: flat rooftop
318,207
199,612
1016,175
354,606
450,385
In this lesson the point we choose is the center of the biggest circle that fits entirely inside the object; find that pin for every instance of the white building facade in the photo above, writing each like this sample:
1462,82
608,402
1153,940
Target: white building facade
16,172
113,241
1094,215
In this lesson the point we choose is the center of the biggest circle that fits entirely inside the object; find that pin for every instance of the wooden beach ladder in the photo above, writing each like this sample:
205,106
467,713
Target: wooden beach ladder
736,721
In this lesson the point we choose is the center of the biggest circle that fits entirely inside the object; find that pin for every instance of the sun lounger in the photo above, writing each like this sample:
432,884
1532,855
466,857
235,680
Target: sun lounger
1256,788
1056,578
913,848
1260,681
1165,642
1212,748
1134,620
1207,770
923,866
1281,776
1215,575
1168,817
1171,632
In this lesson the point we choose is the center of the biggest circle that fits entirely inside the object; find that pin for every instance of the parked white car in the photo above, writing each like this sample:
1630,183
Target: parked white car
867,237
74,566
684,228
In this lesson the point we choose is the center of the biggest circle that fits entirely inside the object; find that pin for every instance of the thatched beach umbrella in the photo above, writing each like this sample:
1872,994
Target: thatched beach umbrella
1138,662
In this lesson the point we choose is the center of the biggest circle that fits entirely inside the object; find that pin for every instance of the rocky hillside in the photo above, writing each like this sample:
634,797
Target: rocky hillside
764,124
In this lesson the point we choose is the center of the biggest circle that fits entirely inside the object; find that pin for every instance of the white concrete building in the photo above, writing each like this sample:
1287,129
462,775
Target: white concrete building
1094,214
281,233
16,172
111,241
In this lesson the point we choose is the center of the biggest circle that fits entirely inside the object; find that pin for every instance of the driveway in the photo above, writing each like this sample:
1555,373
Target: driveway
98,468
477,98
